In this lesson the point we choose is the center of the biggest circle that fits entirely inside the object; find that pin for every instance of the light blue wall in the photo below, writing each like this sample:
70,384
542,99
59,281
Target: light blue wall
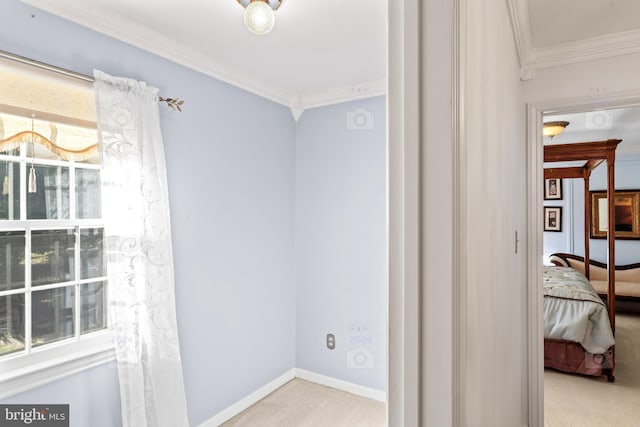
231,188
571,240
93,397
341,241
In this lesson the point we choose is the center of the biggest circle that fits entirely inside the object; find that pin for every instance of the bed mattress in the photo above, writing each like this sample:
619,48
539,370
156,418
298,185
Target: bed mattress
573,311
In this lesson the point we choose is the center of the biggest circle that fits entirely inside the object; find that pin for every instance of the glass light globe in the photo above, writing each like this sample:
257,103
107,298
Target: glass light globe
259,17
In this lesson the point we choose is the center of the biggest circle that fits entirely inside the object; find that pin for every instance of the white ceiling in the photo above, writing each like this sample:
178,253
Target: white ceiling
561,21
321,52
317,48
552,33
558,32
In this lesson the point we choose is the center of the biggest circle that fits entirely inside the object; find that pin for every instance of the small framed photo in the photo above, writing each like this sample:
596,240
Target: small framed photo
553,189
553,218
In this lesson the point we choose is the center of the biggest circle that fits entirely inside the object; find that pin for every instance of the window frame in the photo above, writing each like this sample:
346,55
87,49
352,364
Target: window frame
35,366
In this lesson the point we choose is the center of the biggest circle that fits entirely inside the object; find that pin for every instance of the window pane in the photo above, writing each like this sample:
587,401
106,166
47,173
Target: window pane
52,256
52,315
51,199
87,193
11,260
10,182
93,315
91,253
11,324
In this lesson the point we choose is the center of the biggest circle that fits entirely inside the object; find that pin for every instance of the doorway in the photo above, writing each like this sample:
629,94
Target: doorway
569,240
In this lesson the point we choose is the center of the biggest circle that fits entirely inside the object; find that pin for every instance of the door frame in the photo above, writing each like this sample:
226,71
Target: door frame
535,182
417,60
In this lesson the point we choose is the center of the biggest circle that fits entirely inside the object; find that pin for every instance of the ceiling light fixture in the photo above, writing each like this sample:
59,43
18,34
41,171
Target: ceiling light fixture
552,129
259,15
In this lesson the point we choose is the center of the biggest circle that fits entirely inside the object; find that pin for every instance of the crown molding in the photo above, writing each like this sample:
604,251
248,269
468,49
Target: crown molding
607,46
338,95
521,27
179,53
536,58
343,94
160,45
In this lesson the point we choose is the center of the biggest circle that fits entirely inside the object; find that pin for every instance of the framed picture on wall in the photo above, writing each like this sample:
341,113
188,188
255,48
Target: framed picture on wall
552,218
627,214
553,189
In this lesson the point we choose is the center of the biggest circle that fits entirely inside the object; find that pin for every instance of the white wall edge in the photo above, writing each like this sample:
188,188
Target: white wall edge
358,390
246,402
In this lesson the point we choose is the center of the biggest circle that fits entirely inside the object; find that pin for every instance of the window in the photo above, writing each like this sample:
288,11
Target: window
53,288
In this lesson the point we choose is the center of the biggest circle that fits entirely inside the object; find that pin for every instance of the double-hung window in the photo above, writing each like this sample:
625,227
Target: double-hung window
53,289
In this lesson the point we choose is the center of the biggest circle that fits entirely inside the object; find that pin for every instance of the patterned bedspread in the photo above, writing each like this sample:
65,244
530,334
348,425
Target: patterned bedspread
568,283
573,311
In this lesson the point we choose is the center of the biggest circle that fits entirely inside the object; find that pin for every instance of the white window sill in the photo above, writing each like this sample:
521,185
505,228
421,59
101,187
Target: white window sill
20,373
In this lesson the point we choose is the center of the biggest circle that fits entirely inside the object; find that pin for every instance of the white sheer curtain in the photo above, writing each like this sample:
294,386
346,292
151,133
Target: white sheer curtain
135,207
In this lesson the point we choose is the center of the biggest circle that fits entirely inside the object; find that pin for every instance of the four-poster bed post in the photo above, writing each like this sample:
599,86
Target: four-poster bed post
593,153
611,235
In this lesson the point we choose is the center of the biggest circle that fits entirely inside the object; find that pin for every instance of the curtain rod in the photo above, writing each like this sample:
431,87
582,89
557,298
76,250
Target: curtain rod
173,103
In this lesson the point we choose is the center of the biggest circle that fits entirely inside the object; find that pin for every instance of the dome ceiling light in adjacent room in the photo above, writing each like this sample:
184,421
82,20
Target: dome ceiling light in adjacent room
552,129
259,15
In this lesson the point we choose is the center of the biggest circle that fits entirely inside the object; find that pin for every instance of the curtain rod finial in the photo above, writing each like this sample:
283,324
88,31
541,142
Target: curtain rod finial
173,103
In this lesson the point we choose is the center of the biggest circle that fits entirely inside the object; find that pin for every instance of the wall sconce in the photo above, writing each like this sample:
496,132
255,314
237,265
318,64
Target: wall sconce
552,129
259,15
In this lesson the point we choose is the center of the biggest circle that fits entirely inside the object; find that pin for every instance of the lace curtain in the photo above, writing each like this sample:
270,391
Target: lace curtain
135,208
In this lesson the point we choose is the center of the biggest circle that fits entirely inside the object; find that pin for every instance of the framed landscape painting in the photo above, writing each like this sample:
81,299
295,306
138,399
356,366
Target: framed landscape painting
627,214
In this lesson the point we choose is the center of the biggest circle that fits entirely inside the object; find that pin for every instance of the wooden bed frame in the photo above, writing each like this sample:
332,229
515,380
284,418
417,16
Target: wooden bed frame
629,277
563,355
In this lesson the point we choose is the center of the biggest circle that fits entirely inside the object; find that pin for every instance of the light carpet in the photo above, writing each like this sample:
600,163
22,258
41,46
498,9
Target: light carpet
300,403
582,401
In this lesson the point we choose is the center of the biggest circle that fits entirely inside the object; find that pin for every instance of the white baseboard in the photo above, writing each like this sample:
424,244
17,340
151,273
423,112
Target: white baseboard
352,388
303,374
254,397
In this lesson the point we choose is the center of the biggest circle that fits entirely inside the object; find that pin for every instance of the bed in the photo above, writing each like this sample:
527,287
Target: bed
576,339
577,331
627,279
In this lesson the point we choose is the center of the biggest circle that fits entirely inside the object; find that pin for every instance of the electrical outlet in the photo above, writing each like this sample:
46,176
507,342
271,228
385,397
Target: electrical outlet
331,341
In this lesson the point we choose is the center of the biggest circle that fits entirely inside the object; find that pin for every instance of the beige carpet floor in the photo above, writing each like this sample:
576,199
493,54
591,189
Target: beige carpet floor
300,403
581,401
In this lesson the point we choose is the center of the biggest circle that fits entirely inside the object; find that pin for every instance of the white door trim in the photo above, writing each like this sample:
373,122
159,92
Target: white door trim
411,50
403,148
534,267
534,230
